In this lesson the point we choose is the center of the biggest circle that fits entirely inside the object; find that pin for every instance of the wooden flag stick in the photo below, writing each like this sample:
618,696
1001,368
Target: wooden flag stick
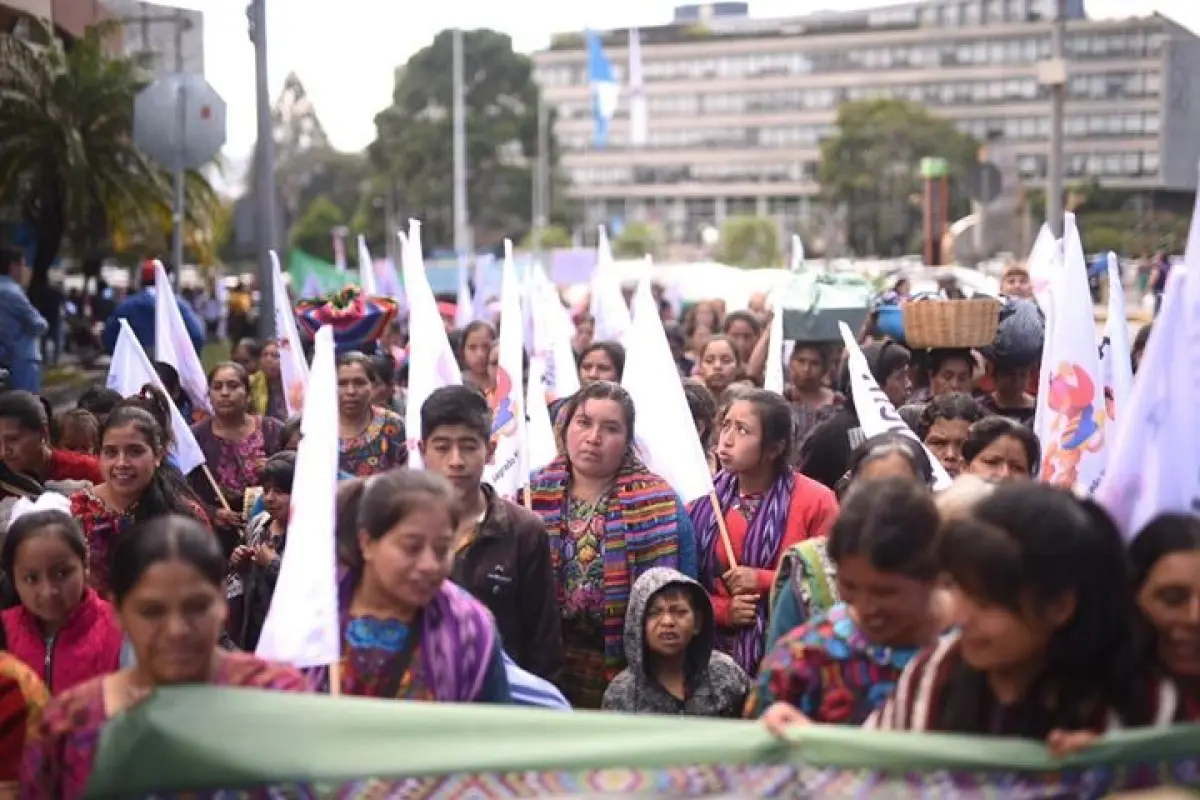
722,529
216,489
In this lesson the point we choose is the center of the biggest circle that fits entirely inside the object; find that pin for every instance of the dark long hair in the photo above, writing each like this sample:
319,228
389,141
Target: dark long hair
605,390
166,538
1029,542
149,412
380,502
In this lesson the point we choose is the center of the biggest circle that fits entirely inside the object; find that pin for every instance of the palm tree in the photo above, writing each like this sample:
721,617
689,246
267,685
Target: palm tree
69,164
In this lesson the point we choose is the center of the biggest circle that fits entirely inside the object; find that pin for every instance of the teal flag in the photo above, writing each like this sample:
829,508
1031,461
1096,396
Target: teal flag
233,741
305,269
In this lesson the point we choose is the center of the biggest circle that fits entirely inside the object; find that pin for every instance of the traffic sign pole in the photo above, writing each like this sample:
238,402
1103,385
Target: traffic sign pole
180,208
179,122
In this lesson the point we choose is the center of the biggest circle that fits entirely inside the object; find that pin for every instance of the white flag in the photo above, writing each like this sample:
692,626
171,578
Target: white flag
638,118
508,472
173,345
464,307
130,370
797,264
540,429
552,334
1044,263
293,370
611,315
663,429
777,350
876,414
302,626
1071,415
431,362
1116,357
366,268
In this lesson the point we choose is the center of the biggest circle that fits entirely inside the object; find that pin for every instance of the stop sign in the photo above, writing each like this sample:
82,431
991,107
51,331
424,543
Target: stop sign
179,121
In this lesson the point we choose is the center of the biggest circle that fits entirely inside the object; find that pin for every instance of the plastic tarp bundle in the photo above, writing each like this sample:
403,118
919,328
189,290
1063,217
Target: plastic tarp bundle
233,742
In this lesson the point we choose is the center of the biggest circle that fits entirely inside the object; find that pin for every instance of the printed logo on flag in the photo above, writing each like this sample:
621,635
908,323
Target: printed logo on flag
1076,427
504,407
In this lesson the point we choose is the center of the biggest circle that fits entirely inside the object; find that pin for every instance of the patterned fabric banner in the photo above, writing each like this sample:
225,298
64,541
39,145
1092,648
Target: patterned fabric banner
240,743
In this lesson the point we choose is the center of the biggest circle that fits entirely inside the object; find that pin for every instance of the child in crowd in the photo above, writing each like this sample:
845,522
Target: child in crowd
673,668
78,432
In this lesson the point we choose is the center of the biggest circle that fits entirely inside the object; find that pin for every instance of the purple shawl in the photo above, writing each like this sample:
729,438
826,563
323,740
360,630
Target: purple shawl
760,550
457,638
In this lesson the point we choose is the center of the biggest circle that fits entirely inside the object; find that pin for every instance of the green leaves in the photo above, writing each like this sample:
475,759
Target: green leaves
871,166
69,161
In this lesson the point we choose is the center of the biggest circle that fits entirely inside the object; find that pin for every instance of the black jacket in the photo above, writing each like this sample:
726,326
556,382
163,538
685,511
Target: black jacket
507,568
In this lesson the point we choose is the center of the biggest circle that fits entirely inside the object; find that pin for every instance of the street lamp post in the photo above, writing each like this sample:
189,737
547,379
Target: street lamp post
264,210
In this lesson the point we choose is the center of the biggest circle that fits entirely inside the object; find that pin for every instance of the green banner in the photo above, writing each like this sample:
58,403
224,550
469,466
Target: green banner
305,269
203,739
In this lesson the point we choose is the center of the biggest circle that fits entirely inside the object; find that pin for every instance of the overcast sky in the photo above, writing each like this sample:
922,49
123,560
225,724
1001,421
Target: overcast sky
345,51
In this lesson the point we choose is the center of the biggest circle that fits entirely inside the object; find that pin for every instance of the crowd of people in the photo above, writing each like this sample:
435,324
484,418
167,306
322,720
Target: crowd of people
823,582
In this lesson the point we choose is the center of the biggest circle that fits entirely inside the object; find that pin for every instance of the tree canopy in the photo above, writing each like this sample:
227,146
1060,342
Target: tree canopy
636,240
414,142
68,162
313,232
872,166
751,242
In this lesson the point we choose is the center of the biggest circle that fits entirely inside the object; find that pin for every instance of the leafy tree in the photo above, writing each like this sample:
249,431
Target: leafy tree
872,167
749,242
68,162
551,237
313,232
637,239
414,138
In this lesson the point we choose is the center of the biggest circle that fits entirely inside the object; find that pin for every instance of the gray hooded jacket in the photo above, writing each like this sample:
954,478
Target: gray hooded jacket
716,685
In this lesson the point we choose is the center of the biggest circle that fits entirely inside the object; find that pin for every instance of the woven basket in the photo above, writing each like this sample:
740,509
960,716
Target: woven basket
951,323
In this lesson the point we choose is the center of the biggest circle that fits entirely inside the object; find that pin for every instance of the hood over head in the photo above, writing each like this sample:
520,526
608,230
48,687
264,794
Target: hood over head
653,581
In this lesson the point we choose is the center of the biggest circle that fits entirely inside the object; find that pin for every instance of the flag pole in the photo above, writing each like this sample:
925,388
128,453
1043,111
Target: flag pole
722,529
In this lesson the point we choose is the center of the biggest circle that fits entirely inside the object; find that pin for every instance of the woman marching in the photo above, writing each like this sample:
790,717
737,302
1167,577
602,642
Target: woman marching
609,520
168,585
767,508
408,633
139,484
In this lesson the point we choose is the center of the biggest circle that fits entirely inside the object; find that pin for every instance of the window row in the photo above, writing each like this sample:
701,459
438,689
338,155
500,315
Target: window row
764,172
1022,50
1078,165
1029,166
1133,123
1100,86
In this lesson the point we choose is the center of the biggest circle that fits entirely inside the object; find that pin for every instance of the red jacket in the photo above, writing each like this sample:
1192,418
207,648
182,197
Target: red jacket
811,513
87,645
68,466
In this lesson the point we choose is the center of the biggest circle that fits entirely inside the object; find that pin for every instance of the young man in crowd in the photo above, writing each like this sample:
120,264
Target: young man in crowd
502,551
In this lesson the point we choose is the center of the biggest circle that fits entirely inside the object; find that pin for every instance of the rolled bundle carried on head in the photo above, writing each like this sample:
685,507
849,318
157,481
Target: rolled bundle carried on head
358,320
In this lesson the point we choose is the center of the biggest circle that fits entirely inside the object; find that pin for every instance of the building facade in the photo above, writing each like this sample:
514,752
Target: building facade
70,17
173,36
738,107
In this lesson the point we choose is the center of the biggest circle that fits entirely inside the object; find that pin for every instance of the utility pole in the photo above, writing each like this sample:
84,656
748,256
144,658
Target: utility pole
265,177
1053,74
541,174
462,230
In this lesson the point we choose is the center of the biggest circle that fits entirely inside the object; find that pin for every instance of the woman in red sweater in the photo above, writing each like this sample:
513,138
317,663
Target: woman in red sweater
25,447
767,508
62,629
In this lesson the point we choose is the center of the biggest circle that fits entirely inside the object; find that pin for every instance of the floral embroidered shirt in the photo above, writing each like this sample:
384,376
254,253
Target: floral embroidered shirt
379,448
583,560
829,671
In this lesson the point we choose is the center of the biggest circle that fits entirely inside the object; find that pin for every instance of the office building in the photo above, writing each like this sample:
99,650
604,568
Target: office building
69,17
737,106
174,37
